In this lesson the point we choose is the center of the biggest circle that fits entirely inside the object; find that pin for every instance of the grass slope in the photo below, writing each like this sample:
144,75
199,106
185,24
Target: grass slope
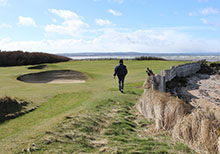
80,101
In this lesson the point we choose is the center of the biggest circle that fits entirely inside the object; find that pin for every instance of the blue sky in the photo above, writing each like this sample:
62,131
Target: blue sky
68,26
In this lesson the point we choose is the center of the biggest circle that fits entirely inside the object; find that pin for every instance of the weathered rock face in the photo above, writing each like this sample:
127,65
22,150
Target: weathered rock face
198,128
8,107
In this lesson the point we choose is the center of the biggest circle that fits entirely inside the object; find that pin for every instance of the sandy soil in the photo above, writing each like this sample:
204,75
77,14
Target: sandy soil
38,67
67,81
203,91
57,76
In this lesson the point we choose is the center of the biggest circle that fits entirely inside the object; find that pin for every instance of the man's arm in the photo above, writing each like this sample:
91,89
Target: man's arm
116,71
126,71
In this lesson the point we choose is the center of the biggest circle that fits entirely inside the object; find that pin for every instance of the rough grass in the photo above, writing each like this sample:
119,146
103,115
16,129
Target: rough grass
57,101
201,130
198,128
112,127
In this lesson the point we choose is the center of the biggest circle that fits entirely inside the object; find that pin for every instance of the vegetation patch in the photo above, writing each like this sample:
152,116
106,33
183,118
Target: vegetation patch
111,127
18,58
210,68
149,58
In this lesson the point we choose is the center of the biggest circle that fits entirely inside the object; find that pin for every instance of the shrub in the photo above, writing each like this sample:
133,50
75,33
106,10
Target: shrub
148,58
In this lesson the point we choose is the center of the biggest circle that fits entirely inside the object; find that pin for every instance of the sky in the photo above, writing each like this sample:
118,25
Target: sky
73,26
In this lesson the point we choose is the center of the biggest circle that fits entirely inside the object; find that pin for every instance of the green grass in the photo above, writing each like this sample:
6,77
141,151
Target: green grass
99,95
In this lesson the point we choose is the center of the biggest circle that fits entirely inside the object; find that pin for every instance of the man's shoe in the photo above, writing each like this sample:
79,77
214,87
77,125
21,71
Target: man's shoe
122,91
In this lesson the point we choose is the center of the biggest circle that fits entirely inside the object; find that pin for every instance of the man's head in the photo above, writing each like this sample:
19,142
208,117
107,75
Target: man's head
121,61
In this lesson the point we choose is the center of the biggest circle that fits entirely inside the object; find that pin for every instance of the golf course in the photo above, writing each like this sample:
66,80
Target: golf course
89,116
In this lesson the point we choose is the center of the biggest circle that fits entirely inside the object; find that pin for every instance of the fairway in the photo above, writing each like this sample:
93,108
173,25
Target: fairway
57,101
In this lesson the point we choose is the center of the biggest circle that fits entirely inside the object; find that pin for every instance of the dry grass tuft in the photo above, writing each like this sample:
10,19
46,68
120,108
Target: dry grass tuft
163,108
199,129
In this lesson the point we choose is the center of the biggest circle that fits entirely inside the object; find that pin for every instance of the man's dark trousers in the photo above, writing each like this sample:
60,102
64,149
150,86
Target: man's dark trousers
121,82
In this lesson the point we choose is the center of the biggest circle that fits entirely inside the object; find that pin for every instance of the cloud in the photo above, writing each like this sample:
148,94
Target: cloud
115,13
102,22
5,26
205,11
73,24
207,22
26,21
209,10
4,3
117,1
65,14
110,40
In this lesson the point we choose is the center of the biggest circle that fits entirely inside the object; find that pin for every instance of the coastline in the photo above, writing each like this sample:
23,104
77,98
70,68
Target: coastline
170,58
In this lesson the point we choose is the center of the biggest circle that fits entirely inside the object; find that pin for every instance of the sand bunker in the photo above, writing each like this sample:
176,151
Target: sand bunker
38,67
57,76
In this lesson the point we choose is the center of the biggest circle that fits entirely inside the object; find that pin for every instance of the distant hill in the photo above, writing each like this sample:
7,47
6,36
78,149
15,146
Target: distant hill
137,54
18,58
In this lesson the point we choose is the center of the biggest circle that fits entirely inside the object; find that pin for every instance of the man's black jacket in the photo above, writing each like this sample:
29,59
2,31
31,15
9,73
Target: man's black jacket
120,70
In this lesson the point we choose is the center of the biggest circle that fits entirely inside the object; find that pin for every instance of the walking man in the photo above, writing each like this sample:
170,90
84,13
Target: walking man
121,71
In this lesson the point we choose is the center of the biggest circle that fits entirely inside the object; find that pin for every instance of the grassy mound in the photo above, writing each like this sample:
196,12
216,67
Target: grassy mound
9,108
18,58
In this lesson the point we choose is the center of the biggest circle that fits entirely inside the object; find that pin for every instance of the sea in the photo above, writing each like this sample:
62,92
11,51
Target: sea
212,57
